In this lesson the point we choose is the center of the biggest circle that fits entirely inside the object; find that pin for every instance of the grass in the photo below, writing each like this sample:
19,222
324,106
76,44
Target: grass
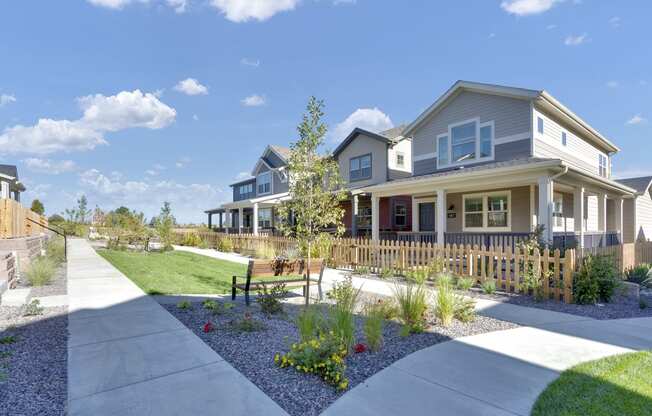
175,272
619,385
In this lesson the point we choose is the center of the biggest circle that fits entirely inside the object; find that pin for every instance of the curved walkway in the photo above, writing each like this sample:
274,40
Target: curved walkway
128,356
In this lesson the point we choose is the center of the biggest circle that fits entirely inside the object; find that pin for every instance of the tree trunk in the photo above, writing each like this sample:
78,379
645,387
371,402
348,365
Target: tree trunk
308,276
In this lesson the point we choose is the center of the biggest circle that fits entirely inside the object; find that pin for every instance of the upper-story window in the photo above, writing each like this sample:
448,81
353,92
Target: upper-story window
466,142
400,160
540,125
602,166
246,189
564,140
264,182
360,168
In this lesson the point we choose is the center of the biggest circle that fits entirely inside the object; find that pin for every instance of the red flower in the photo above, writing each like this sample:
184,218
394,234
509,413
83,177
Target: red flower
358,348
208,327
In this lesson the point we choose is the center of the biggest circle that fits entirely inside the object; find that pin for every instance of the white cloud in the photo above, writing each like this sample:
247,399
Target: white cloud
179,6
643,82
151,172
492,35
250,62
244,10
338,2
38,191
52,167
551,27
7,99
195,117
183,162
242,176
371,119
253,101
615,22
111,4
527,7
190,86
613,84
102,114
572,40
637,119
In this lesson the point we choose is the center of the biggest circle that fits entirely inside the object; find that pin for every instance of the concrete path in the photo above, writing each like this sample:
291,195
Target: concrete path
128,356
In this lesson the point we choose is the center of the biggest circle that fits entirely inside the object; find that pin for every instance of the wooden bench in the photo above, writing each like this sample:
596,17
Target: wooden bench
279,268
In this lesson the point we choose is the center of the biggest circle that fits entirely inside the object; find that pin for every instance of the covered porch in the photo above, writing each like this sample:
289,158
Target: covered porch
252,216
505,204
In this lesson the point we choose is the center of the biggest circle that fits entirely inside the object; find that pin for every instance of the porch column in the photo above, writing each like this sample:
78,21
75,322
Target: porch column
415,215
255,219
375,217
240,220
354,216
618,218
546,206
440,221
221,220
602,213
210,220
578,215
533,213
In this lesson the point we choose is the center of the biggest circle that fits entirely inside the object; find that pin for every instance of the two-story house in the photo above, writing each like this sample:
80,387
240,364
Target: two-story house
491,163
10,186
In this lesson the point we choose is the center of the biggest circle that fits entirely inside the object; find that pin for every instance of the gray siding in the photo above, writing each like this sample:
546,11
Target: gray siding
363,145
644,217
279,187
236,191
274,160
511,117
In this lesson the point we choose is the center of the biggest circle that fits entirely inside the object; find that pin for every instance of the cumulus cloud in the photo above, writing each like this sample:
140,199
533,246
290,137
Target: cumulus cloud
244,10
250,62
48,166
573,40
190,86
371,119
183,162
527,7
101,114
111,4
7,99
637,119
179,6
253,101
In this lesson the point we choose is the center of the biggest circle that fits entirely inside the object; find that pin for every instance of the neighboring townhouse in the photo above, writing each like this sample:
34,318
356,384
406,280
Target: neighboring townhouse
491,163
638,210
365,159
10,186
256,197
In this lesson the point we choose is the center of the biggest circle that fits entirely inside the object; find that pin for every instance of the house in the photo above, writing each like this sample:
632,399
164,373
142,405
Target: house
10,186
638,210
256,196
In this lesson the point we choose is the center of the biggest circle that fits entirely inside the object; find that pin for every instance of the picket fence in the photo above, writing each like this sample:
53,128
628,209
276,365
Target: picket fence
507,267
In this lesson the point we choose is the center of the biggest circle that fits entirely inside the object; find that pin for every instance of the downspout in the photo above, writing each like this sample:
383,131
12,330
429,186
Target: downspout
560,174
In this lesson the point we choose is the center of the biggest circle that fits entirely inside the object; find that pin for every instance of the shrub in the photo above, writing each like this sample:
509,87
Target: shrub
605,271
309,322
388,308
465,310
465,283
210,305
386,273
184,305
269,300
9,339
436,267
247,324
341,318
445,300
596,280
489,286
40,271
323,356
412,306
192,240
33,308
639,274
225,245
56,250
418,276
373,325
361,270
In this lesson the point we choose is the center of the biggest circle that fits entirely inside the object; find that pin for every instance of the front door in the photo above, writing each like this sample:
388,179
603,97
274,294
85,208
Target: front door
427,216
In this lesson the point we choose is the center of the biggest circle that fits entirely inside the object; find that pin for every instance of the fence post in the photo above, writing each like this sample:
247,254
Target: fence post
569,271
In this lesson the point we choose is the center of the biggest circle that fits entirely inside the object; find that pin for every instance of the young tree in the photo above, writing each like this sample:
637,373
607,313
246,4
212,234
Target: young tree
164,223
315,186
82,210
37,206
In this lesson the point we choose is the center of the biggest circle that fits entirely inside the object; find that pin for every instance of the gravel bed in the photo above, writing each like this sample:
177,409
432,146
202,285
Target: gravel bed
298,393
33,369
58,285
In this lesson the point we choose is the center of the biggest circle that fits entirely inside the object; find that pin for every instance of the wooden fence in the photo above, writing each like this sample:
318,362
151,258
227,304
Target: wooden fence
507,267
625,255
14,220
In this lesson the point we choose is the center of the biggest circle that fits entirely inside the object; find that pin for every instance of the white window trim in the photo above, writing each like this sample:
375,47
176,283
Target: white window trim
485,212
402,154
271,183
543,125
477,159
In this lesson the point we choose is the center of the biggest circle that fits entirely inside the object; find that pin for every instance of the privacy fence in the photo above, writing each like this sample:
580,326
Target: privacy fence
15,220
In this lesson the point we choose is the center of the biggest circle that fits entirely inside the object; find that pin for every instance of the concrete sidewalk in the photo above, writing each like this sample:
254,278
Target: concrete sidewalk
128,356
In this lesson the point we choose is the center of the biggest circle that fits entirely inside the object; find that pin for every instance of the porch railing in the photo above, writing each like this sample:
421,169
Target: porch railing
510,240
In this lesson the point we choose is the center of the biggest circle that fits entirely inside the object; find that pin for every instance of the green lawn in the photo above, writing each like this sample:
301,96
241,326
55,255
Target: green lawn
619,385
175,272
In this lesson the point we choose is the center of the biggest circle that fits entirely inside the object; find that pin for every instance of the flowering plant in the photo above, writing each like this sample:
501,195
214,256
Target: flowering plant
208,327
358,348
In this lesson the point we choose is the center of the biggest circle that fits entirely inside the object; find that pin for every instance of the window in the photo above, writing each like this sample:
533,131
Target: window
487,212
564,141
363,217
400,160
400,214
246,189
265,218
602,165
442,150
558,210
540,125
264,181
360,168
466,142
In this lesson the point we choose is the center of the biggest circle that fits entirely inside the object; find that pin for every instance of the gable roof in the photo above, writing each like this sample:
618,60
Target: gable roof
282,152
541,97
9,170
641,184
390,136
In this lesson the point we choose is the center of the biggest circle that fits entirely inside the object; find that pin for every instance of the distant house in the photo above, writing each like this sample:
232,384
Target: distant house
638,210
10,186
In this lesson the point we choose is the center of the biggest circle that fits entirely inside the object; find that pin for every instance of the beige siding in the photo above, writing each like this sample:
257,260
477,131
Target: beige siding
363,145
629,220
591,215
644,217
578,152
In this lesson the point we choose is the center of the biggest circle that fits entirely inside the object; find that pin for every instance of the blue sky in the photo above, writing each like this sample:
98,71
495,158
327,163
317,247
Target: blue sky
133,102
